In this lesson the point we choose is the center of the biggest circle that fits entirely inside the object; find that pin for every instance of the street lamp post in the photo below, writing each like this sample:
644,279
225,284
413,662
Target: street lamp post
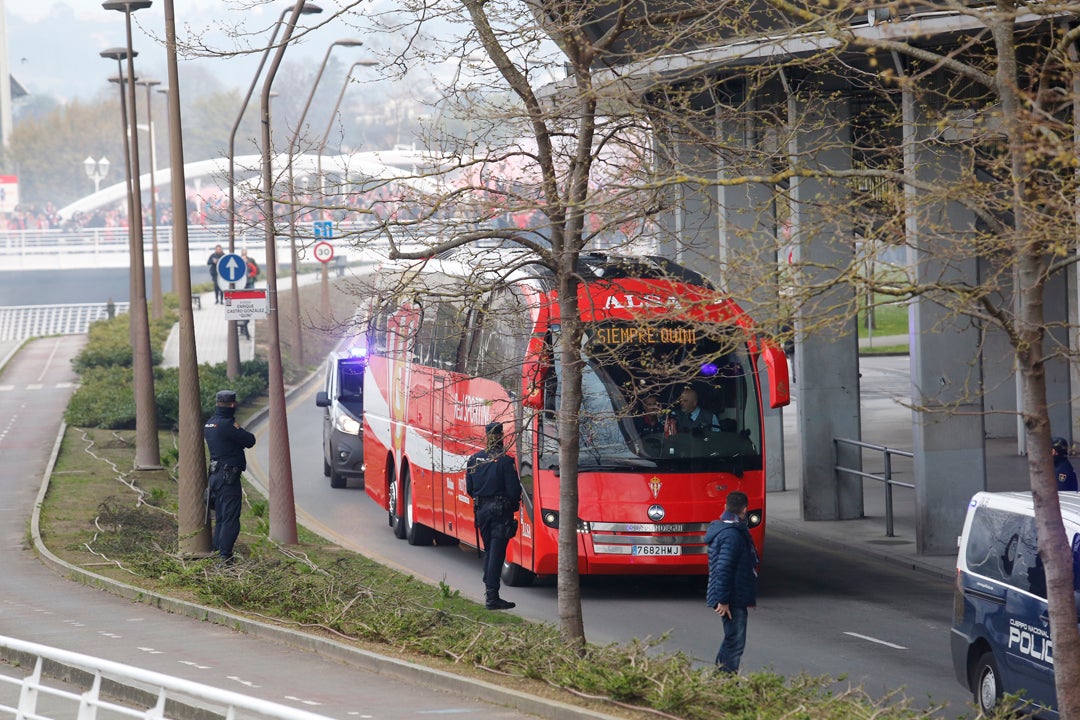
156,301
298,338
325,294
175,284
194,531
96,170
282,502
147,451
232,366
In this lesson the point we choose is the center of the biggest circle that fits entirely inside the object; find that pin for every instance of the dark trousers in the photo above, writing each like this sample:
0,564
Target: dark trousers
219,294
487,519
731,649
228,498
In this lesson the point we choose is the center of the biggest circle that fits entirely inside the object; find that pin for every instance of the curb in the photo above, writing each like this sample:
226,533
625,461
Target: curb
380,664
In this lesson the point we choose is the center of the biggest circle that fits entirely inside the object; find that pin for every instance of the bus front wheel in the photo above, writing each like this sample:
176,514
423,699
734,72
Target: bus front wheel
516,576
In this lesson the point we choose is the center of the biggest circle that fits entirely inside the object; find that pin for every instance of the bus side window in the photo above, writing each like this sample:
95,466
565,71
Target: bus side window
526,445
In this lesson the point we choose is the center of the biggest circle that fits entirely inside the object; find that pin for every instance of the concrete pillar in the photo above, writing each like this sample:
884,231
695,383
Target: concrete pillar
747,249
826,355
946,377
1058,380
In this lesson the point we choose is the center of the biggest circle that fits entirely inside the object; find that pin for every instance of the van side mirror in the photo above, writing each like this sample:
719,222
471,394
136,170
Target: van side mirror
322,399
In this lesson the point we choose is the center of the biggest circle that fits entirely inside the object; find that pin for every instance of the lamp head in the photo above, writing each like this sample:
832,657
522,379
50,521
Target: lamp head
348,42
89,165
126,6
310,9
148,83
117,53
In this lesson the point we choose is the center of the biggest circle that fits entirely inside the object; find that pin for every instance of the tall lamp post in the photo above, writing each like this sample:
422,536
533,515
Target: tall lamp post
193,532
147,449
156,301
232,367
282,502
96,170
325,294
175,284
120,54
298,337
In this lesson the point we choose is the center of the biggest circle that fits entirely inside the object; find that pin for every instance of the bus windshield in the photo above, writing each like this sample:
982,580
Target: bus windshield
677,397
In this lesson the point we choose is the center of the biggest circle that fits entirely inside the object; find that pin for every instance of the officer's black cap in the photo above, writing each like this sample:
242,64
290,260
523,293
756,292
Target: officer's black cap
494,428
226,397
1060,444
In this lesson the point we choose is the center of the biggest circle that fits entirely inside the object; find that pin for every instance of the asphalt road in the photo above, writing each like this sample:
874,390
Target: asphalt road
822,611
37,605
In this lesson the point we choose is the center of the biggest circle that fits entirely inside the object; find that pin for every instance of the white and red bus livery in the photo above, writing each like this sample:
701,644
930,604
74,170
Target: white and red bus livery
449,351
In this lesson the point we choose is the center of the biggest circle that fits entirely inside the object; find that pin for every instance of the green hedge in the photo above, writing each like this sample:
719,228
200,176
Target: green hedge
105,397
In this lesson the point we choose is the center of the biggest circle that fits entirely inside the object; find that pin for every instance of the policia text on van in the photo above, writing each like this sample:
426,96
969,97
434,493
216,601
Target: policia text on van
1001,630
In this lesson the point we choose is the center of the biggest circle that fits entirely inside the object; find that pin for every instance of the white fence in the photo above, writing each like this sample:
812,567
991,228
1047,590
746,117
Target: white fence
26,321
44,683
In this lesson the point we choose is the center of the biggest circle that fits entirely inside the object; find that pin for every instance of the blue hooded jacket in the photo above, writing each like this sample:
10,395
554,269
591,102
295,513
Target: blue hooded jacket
732,563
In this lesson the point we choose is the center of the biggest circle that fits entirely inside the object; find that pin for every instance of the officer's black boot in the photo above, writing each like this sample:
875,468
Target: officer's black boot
494,602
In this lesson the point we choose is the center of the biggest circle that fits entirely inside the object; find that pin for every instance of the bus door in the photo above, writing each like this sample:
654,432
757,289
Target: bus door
444,464
520,549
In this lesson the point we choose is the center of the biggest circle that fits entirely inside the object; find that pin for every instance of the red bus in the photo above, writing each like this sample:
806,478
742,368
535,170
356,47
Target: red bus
450,350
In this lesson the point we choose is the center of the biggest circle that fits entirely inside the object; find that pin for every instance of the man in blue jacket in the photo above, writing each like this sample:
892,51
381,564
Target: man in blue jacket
1063,469
492,481
226,441
733,566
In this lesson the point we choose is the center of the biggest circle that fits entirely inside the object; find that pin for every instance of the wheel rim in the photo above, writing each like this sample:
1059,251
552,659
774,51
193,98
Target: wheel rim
988,690
392,504
408,506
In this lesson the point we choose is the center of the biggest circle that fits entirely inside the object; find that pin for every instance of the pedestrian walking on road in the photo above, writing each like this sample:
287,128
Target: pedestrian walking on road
733,563
212,262
491,479
226,441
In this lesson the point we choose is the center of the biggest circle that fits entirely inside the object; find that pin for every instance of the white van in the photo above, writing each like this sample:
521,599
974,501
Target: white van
1001,630
342,398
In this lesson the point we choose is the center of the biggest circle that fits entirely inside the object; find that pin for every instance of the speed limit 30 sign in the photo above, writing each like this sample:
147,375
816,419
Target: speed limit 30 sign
324,251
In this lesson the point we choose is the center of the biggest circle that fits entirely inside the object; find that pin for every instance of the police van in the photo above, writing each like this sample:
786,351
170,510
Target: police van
1001,629
342,398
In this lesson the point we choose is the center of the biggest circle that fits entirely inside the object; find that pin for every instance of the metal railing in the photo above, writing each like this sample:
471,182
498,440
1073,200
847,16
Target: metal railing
886,476
41,694
19,322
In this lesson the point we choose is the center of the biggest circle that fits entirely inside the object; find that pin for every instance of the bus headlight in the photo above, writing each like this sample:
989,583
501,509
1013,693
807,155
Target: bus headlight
754,517
550,518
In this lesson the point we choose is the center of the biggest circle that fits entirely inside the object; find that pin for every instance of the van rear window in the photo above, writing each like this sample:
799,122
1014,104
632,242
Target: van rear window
1002,546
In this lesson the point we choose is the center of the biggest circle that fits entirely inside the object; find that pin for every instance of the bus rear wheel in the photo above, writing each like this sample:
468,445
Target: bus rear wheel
415,533
516,576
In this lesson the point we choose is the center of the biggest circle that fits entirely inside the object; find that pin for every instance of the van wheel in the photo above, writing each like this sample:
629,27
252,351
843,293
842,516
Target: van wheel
516,576
325,468
397,522
415,533
987,685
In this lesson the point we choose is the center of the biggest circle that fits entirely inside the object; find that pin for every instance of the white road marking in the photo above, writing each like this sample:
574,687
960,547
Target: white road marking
195,665
247,683
6,387
152,651
110,635
875,640
34,386
64,384
301,701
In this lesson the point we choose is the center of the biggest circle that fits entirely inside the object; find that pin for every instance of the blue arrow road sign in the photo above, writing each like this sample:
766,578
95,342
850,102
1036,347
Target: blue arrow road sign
231,268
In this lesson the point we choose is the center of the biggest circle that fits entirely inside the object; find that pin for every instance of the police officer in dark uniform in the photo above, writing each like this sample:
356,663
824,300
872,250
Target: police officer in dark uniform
491,479
1063,469
226,441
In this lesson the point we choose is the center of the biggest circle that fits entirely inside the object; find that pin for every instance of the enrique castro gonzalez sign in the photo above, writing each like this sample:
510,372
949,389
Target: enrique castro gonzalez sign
246,305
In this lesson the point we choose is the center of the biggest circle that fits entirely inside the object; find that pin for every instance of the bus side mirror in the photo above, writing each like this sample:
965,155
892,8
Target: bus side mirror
532,392
777,367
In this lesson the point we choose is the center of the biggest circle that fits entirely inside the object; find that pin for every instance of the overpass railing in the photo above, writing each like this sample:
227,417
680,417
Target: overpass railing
91,688
20,322
885,476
